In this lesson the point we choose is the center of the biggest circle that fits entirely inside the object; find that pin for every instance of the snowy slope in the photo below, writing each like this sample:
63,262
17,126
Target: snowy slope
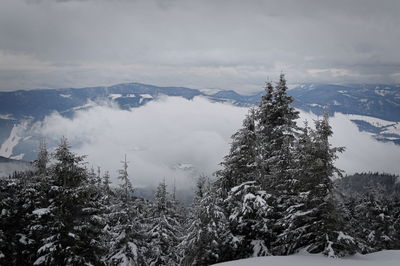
382,258
373,120
6,149
380,129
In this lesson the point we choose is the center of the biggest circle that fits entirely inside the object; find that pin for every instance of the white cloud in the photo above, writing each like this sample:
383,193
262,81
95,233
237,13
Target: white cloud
155,137
164,133
363,153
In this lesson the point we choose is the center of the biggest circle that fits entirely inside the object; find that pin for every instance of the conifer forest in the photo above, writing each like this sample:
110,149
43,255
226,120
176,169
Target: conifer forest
278,192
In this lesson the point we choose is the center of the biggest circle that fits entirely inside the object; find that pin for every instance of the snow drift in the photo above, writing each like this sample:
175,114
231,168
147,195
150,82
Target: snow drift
382,258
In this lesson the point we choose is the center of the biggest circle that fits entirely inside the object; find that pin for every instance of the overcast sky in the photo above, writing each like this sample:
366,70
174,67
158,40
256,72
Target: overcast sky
200,44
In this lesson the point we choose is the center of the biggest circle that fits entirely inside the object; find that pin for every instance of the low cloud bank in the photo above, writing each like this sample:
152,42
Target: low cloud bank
171,138
174,138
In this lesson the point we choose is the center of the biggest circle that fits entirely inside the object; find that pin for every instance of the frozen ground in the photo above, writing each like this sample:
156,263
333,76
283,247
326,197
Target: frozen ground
382,258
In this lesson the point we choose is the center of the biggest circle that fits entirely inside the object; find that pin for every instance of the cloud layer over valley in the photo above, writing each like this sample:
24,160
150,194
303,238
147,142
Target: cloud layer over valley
178,138
169,138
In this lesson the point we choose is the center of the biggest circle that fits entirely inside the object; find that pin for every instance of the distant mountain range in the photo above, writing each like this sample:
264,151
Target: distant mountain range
373,108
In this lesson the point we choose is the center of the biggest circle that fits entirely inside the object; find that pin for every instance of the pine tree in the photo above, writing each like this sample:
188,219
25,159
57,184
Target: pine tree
126,234
240,164
98,177
92,176
72,226
68,171
106,182
202,184
295,166
395,211
42,158
126,185
164,229
251,220
16,247
276,133
293,223
208,238
374,219
314,220
21,199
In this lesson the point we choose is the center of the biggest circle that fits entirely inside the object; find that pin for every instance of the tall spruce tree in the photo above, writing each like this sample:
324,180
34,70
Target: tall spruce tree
250,219
314,220
208,239
42,158
262,149
127,236
293,223
276,133
72,229
126,185
19,196
106,182
374,217
165,229
295,166
240,164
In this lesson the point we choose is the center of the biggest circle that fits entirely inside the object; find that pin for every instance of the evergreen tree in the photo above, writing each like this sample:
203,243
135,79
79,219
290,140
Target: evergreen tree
98,177
395,211
295,166
374,218
126,236
293,223
126,184
72,228
276,133
106,182
164,229
92,176
314,219
251,220
20,199
202,185
42,158
208,238
15,245
240,164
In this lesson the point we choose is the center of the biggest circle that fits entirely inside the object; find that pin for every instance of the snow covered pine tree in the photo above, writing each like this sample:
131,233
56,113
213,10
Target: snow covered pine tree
208,238
71,229
295,166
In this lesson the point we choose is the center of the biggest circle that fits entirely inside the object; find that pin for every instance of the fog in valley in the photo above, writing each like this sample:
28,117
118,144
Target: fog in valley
179,139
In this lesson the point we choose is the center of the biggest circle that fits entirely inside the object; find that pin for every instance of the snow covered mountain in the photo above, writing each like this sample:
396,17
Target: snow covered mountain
373,108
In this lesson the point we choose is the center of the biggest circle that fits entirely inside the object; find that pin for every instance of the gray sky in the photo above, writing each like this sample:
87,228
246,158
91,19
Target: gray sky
199,44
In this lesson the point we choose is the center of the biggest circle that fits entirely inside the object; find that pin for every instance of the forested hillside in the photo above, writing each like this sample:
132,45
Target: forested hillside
274,195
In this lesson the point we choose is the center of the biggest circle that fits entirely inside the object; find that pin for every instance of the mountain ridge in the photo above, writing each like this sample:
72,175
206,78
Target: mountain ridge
375,108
